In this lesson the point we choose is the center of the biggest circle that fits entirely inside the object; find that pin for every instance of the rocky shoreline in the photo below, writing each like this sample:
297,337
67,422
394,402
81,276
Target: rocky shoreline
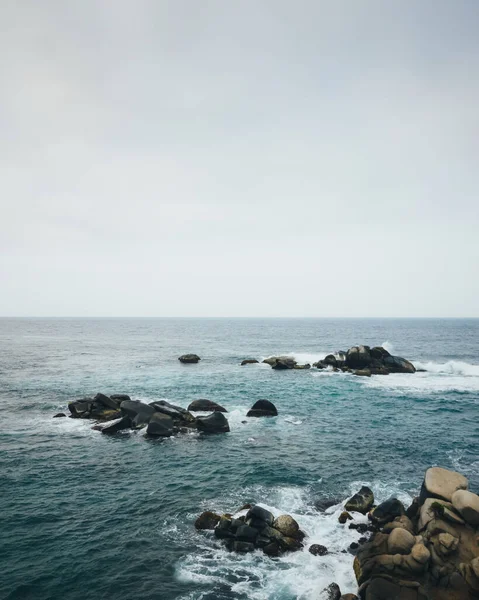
427,551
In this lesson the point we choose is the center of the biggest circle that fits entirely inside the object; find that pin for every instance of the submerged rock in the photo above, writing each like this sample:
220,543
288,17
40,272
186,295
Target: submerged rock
302,367
115,426
249,361
189,358
332,592
58,415
214,423
205,405
262,408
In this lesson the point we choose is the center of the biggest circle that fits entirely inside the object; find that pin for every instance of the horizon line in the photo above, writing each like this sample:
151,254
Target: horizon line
224,317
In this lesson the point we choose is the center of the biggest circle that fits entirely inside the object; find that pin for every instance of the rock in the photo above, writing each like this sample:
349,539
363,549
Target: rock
262,408
107,401
105,414
245,533
214,423
120,397
379,353
260,513
224,528
80,409
272,549
400,541
388,511
467,505
249,361
358,357
131,408
320,365
159,425
349,597
344,516
189,358
402,522
284,363
363,372
361,502
271,360
413,509
243,547
323,504
286,525
207,520
119,425
379,371
205,405
434,508
442,483
302,367
396,364
330,361
318,550
178,414
58,415
332,592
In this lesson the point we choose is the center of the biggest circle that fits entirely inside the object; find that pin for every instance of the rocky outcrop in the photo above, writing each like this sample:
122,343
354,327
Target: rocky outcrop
205,405
257,530
214,423
99,408
280,362
262,408
429,551
189,359
366,361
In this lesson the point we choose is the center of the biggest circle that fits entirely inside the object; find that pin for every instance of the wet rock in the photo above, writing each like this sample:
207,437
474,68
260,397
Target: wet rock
189,358
361,502
249,361
323,504
214,423
205,405
349,597
272,549
179,415
379,353
59,415
344,516
332,592
467,505
284,363
207,520
159,425
245,533
442,483
362,372
388,511
286,525
330,361
262,408
131,408
243,547
358,357
318,550
115,426
104,414
80,409
302,367
396,364
261,514
120,397
106,401
224,528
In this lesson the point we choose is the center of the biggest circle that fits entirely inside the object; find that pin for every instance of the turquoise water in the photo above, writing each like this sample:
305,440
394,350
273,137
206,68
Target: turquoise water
86,516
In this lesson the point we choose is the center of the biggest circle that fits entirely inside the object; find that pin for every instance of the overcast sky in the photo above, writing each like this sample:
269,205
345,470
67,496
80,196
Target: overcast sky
239,158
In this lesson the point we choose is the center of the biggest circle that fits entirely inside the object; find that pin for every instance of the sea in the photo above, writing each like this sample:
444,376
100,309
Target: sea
84,516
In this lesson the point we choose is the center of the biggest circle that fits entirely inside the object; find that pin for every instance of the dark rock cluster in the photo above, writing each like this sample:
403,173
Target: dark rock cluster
119,412
258,529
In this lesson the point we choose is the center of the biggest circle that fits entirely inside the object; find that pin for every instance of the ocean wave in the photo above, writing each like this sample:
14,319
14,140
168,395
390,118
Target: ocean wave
451,367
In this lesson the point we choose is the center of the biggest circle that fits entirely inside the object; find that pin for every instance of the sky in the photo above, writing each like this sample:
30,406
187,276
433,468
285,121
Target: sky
268,158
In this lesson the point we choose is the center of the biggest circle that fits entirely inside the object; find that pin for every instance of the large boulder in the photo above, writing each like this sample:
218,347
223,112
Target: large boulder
205,405
258,513
442,483
396,364
388,511
286,525
118,425
177,413
358,357
207,520
107,401
361,502
467,505
330,361
160,425
400,541
189,359
132,408
262,408
214,423
80,409
434,509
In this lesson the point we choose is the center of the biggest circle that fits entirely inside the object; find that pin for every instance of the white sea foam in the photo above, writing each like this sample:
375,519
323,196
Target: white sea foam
298,575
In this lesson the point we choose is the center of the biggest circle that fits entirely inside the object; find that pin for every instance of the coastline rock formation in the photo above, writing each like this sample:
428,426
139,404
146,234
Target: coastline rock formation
189,359
160,418
262,408
258,529
429,551
366,361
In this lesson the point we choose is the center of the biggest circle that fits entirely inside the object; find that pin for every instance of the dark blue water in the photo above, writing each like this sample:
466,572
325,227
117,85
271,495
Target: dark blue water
85,516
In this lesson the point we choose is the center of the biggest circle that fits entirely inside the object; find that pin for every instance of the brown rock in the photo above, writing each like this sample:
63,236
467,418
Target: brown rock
467,504
400,541
442,483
